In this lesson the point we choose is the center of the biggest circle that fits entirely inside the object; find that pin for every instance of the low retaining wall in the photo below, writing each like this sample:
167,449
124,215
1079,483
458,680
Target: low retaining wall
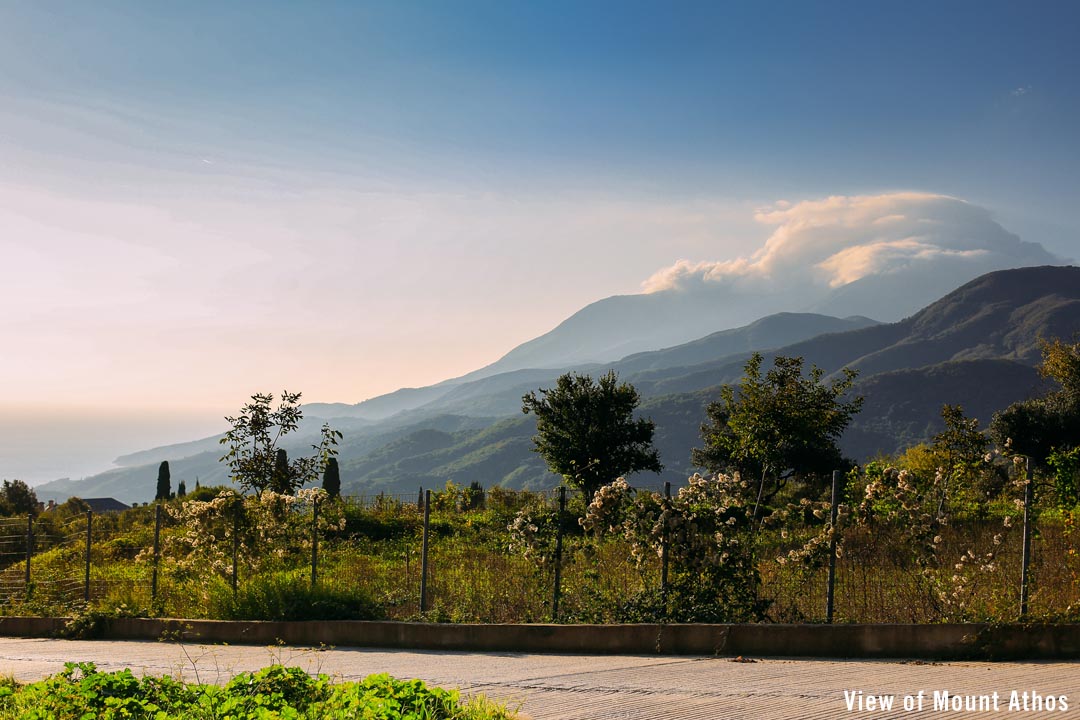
943,642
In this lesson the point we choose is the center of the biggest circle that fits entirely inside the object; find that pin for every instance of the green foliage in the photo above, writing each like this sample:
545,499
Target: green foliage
253,456
80,691
88,623
164,488
778,426
1065,469
283,479
204,493
963,467
331,479
290,596
707,528
17,498
1040,426
181,490
586,431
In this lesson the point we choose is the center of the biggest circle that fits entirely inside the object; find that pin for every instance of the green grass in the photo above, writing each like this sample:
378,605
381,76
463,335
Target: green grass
370,568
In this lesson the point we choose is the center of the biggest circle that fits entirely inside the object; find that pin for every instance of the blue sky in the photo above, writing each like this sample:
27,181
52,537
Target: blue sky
346,198
748,97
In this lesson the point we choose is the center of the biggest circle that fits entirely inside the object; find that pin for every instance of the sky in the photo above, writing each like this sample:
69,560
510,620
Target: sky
202,200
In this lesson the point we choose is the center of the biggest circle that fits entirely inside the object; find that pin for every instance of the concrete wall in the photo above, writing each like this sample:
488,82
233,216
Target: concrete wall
955,641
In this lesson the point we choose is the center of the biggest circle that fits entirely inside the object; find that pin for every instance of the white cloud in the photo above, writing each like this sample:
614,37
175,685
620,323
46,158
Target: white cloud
818,245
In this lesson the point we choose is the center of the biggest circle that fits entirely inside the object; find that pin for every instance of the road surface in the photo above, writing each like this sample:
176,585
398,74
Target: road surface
614,687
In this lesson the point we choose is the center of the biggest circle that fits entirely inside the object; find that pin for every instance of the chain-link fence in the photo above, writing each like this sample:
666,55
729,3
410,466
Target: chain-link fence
452,557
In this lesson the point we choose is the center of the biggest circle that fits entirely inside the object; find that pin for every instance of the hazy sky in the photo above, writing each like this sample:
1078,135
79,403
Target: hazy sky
199,201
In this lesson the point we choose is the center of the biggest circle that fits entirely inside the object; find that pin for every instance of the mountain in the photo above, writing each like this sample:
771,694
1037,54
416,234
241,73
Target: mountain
977,346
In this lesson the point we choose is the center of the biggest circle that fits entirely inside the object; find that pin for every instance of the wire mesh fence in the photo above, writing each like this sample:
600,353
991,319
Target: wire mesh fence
372,548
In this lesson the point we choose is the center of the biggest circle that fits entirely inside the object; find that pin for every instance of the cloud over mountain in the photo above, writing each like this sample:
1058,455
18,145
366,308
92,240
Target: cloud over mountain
819,246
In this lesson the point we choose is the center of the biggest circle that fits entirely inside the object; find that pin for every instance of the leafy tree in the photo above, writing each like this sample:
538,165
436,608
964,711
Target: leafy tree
181,490
1042,426
164,486
778,426
960,452
1047,428
253,453
587,433
17,498
331,479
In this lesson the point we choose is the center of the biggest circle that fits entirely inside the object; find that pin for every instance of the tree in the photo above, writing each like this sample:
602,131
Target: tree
587,433
164,487
779,426
331,479
17,498
1047,428
282,480
252,442
1042,426
960,451
181,490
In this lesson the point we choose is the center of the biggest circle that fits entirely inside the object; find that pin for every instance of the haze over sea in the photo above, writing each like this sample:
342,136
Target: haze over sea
42,444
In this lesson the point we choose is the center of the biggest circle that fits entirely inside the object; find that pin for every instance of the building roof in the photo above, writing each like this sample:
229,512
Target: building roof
104,505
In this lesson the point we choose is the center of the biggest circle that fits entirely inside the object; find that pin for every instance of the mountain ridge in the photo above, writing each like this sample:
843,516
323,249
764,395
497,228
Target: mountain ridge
975,346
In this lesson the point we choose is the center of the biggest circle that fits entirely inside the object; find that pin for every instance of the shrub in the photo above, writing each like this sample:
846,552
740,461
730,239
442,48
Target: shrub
289,596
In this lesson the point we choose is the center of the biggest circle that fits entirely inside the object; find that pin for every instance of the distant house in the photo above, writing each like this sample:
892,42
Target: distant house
106,505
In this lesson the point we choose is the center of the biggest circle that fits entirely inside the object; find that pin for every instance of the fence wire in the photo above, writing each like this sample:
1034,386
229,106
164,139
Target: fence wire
372,547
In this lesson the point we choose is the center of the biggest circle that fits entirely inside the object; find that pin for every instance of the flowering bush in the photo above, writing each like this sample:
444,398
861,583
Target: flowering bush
706,530
259,532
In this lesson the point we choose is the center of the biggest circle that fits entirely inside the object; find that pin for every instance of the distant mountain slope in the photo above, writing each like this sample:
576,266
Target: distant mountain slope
136,483
383,406
769,332
976,346
902,407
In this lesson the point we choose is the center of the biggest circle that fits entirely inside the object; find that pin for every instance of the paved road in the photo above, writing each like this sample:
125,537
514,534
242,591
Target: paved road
566,687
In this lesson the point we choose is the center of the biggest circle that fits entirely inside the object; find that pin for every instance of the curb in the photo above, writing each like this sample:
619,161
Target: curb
975,641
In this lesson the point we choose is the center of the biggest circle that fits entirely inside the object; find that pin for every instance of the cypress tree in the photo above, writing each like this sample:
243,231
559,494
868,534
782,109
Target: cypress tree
181,489
164,488
331,478
281,481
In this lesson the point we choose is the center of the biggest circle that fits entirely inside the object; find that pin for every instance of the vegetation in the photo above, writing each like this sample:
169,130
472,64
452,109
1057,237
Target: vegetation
331,482
928,535
17,498
164,488
1049,425
587,433
255,461
781,426
81,691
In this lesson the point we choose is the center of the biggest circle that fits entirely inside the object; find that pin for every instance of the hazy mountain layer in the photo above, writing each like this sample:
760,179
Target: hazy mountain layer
977,347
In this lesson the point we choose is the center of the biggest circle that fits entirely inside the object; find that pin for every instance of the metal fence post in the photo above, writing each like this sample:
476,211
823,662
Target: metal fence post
157,554
665,549
29,550
314,542
558,554
830,595
235,541
1025,566
424,553
89,542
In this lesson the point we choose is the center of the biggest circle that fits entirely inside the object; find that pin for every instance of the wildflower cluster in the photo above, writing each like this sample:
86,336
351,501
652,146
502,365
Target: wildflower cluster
533,531
270,527
705,529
